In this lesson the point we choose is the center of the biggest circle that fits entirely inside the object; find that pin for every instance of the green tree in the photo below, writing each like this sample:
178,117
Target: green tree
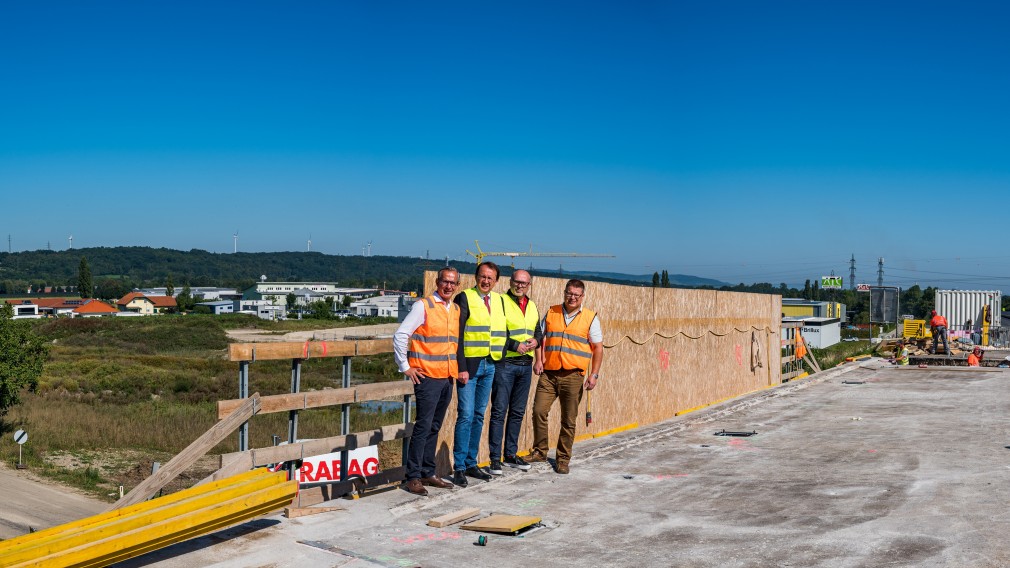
655,280
807,290
291,299
665,280
185,300
22,354
320,310
169,286
84,285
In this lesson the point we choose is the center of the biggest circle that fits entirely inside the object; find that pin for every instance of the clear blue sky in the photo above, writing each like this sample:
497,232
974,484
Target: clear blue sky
738,140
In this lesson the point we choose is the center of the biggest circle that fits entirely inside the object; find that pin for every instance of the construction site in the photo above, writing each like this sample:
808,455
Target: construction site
709,445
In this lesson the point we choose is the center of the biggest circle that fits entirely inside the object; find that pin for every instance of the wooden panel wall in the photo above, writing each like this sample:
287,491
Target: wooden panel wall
666,350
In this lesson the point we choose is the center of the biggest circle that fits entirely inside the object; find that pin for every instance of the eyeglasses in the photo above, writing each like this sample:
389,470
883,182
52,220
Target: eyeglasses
449,283
571,295
519,284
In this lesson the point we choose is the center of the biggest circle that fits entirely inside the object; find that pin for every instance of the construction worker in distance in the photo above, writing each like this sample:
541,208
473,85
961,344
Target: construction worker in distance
901,354
513,374
975,357
482,321
424,348
938,325
568,363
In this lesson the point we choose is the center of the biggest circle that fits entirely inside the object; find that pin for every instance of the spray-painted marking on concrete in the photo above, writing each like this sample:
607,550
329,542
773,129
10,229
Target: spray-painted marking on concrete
423,537
739,354
531,503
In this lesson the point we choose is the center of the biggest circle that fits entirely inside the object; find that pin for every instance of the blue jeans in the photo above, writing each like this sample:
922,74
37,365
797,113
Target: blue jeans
471,402
509,395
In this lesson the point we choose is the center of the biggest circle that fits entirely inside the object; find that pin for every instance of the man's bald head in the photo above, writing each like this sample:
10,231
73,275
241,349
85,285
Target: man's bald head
520,282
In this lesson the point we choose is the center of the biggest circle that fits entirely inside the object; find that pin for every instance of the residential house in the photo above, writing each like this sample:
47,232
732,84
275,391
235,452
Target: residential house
146,305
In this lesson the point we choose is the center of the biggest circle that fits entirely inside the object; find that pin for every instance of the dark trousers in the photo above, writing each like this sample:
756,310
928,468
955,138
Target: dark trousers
432,397
509,394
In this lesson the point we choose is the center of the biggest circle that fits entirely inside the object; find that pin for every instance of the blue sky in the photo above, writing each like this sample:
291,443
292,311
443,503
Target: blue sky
744,141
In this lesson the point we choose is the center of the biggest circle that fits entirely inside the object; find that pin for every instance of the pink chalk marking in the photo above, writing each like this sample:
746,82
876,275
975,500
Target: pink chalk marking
739,354
664,359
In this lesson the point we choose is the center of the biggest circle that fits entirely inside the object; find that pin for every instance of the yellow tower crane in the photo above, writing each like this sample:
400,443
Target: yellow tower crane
480,255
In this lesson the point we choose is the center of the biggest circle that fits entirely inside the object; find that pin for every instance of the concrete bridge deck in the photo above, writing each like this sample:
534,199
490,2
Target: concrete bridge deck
909,468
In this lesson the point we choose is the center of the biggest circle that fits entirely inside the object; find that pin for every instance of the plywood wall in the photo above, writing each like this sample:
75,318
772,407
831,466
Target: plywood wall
666,350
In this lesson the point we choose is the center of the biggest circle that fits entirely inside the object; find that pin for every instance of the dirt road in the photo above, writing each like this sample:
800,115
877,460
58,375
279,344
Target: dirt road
28,502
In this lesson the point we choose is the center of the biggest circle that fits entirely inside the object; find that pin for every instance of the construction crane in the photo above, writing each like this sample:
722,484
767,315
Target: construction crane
480,255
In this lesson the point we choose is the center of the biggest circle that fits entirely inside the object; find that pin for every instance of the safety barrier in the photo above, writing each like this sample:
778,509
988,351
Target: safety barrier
130,531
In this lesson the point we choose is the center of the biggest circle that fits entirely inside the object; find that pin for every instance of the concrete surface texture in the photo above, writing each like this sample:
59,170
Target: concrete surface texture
30,503
909,468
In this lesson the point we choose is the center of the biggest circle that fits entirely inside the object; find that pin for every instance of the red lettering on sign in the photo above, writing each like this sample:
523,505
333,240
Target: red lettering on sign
306,471
371,466
324,470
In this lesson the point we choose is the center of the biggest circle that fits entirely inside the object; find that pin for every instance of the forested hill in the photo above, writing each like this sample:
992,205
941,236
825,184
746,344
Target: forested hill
117,270
144,266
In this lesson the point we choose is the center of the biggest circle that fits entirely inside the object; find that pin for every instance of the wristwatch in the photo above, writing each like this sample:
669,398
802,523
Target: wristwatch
595,376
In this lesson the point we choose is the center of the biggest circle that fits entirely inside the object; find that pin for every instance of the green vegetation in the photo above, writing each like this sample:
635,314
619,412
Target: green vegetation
119,393
22,353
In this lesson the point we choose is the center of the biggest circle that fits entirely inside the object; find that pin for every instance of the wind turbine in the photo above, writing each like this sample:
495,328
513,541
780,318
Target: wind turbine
369,248
235,238
309,248
71,239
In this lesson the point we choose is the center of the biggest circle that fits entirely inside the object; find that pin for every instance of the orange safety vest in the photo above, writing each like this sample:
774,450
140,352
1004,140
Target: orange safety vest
567,346
432,346
938,321
801,346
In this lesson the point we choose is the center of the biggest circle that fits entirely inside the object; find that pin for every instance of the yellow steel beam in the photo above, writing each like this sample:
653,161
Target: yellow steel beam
87,524
149,526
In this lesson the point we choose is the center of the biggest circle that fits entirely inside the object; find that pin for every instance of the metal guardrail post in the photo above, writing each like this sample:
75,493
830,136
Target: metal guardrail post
345,417
406,420
243,392
296,386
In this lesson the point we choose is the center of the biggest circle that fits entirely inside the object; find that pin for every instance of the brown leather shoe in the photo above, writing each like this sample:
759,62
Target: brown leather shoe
434,481
414,486
535,457
562,467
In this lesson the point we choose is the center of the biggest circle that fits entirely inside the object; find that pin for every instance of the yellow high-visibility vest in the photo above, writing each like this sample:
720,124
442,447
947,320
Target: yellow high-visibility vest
483,332
520,326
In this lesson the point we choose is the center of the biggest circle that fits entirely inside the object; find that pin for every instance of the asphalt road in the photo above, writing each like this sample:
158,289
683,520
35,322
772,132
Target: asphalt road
28,502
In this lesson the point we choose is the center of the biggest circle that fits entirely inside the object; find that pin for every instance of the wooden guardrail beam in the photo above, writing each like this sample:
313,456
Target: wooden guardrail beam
193,452
274,350
241,461
317,399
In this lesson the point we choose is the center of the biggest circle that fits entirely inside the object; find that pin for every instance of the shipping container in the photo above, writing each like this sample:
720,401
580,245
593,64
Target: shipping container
963,308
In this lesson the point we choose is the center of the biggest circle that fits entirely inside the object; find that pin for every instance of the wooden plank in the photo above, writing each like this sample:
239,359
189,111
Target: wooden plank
188,456
329,397
453,517
788,359
308,496
274,350
787,376
295,512
291,401
503,524
289,452
379,391
374,346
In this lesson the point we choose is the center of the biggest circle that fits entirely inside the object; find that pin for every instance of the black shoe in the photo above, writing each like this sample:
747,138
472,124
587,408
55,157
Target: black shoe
459,479
478,473
518,463
495,468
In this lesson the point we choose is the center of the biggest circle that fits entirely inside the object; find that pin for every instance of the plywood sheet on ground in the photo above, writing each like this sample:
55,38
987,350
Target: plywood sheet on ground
501,524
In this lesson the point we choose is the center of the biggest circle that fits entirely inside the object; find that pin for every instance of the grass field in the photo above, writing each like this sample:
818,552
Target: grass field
118,394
